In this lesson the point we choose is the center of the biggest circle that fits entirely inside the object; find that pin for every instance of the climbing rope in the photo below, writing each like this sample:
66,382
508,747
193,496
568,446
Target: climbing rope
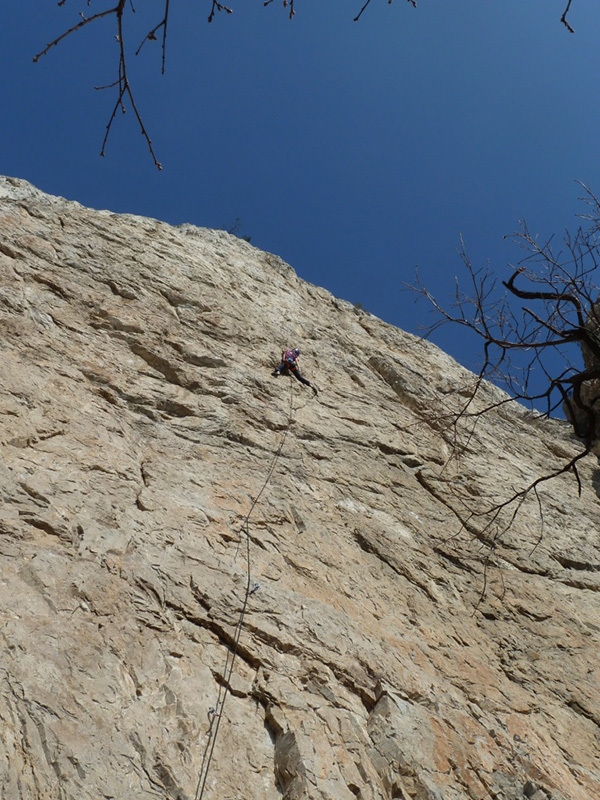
216,712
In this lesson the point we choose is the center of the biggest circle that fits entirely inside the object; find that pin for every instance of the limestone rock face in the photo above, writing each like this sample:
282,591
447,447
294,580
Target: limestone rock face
215,584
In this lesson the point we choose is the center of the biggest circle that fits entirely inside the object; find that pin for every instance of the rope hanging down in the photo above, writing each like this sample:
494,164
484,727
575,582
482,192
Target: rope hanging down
216,712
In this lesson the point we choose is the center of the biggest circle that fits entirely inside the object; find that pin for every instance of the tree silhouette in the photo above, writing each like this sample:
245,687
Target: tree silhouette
540,335
126,8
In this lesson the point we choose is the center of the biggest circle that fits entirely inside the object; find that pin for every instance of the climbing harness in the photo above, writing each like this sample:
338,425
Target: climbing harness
215,713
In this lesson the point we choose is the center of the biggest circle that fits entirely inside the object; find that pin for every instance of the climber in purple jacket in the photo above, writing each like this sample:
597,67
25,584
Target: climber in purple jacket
289,365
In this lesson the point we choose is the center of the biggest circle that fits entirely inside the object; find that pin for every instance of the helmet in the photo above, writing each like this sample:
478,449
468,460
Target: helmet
296,351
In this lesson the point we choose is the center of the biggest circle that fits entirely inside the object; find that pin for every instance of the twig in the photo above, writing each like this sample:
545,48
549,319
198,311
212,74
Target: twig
368,2
124,90
563,19
84,21
216,6
151,37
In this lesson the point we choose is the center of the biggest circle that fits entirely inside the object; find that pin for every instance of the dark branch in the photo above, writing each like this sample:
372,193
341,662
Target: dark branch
85,21
535,336
151,37
218,7
124,89
563,18
413,3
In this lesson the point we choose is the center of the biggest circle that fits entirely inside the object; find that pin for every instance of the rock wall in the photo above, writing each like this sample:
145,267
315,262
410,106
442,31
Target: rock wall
395,643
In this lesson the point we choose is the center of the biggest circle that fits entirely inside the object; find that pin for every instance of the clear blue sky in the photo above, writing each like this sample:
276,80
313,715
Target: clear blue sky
356,151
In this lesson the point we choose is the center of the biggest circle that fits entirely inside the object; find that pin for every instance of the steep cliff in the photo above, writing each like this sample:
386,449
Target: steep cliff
149,460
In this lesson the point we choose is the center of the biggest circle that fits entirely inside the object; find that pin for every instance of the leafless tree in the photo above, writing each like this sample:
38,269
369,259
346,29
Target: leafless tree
120,9
540,335
545,323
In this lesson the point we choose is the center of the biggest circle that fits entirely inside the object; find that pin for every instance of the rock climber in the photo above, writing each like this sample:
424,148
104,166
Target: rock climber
289,365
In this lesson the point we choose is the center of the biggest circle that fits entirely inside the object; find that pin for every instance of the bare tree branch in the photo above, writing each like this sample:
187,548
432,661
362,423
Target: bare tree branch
84,21
541,341
413,3
563,18
151,37
217,7
125,93
286,4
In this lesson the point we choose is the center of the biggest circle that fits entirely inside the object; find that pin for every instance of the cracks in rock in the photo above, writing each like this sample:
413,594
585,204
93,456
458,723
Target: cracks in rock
176,298
59,291
41,524
51,528
167,779
239,438
424,481
158,774
513,675
158,363
290,771
212,626
144,473
491,536
150,589
391,375
200,597
152,407
369,546
454,559
486,536
39,436
275,642
122,290
576,564
255,661
278,785
146,478
46,747
274,730
197,359
156,407
6,250
298,521
298,567
26,711
408,457
36,496
579,583
43,436
174,408
110,322
579,706
532,614
151,605
344,678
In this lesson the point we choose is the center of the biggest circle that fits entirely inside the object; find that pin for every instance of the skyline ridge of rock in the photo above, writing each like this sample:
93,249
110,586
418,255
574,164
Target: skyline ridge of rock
394,644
